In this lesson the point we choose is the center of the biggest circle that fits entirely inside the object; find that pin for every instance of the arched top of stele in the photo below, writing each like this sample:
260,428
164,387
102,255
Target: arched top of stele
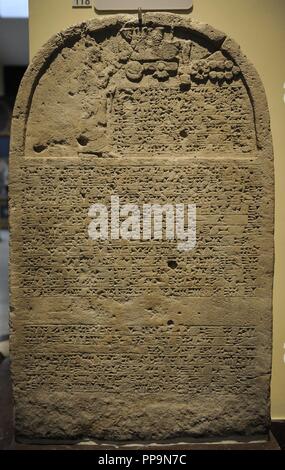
96,56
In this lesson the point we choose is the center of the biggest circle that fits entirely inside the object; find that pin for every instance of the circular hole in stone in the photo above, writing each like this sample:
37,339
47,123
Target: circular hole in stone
170,323
172,264
184,133
39,148
82,140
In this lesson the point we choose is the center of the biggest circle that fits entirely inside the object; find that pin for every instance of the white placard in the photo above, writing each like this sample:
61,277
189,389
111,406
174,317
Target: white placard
82,3
145,5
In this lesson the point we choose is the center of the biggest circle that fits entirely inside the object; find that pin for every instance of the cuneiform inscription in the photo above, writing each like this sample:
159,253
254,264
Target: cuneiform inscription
158,120
177,359
230,206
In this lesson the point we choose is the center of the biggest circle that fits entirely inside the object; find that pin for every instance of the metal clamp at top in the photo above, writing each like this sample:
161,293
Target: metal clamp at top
140,17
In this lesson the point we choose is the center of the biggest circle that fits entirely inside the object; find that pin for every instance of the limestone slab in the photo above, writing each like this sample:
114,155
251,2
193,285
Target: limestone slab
135,340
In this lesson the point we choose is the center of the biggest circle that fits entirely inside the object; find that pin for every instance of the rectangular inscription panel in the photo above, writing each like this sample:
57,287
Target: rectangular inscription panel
204,119
176,340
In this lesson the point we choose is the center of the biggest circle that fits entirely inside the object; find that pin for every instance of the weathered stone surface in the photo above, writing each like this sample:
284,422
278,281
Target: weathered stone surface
136,340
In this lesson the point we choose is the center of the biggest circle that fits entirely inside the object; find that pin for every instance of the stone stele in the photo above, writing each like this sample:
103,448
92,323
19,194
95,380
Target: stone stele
136,340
